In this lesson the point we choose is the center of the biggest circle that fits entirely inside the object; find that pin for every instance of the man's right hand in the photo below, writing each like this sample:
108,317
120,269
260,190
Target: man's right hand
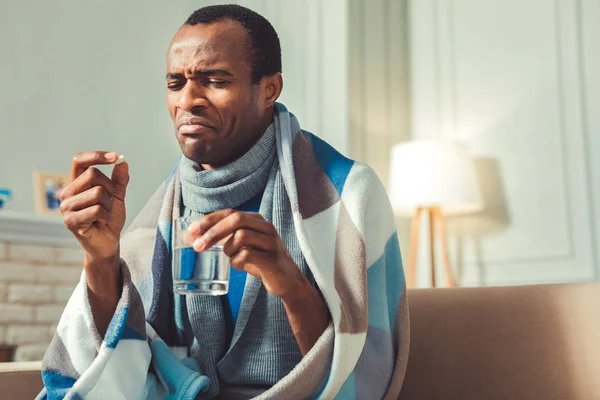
93,207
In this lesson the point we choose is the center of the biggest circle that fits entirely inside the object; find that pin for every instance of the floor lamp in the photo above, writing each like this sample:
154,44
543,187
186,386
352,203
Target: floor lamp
438,179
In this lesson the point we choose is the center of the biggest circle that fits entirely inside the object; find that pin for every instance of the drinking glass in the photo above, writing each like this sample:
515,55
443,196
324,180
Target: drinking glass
206,272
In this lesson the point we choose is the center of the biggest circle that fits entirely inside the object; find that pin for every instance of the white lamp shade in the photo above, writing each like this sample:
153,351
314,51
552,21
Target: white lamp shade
433,174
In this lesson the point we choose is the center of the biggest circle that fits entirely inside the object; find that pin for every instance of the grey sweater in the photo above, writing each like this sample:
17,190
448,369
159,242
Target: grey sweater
263,348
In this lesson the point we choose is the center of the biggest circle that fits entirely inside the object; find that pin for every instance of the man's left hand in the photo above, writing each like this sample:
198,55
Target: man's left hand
253,245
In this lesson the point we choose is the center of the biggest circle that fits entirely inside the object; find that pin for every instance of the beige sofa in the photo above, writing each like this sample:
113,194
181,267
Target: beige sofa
20,380
510,343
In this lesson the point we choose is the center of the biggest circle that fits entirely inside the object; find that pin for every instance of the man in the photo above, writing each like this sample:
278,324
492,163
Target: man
317,307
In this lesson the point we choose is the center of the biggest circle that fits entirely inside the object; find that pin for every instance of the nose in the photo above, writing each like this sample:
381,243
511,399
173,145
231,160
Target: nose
192,96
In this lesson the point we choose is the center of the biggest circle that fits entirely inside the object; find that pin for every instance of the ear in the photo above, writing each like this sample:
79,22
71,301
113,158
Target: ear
270,88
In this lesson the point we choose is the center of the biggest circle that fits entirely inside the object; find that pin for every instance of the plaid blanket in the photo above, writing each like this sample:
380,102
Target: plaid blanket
347,234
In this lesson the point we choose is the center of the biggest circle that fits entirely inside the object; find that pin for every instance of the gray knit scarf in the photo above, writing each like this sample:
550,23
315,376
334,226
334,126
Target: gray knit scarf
263,348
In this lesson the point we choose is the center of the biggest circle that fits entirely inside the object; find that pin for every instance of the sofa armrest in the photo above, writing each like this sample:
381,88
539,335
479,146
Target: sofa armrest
20,380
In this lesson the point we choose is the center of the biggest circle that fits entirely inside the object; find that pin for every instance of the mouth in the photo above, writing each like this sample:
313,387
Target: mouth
193,126
193,129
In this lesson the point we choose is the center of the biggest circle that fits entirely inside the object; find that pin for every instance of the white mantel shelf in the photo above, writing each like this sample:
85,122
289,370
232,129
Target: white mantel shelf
22,227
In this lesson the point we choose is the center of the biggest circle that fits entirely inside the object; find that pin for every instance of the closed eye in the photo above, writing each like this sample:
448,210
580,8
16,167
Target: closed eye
217,83
175,86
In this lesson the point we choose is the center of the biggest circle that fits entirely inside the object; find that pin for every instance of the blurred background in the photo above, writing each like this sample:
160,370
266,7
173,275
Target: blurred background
515,81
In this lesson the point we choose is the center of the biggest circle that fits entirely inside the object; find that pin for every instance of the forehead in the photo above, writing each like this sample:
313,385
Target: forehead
222,42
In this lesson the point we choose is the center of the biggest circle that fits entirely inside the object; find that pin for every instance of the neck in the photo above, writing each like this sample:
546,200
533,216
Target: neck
253,139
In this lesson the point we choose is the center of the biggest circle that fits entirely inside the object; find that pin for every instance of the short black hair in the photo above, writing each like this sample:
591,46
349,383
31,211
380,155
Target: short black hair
265,46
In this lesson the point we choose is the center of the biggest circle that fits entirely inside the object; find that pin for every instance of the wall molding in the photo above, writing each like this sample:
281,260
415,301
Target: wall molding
452,110
437,85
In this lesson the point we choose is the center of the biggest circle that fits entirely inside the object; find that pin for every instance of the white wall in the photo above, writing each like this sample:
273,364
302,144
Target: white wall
519,82
78,76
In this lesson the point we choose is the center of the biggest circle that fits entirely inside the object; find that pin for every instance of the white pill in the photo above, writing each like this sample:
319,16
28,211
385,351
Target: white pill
120,160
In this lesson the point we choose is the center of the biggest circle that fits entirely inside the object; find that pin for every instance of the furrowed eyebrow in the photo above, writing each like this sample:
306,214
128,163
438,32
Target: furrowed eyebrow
215,72
204,72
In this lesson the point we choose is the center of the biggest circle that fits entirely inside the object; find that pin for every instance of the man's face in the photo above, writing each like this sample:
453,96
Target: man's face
214,105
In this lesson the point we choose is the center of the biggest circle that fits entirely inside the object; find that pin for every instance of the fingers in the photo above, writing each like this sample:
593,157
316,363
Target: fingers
206,222
250,261
80,221
245,238
83,161
96,195
90,178
120,177
83,164
218,226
